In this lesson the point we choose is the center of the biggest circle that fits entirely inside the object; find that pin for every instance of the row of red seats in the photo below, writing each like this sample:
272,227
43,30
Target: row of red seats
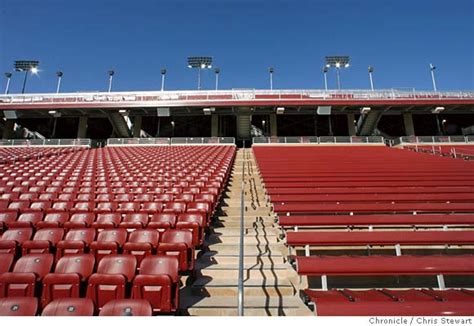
319,189
115,277
135,214
71,307
139,243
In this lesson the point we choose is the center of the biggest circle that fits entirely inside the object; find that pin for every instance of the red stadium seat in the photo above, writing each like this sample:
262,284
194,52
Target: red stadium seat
26,220
28,270
193,222
7,217
152,207
106,207
158,282
127,307
162,221
134,221
109,241
178,243
7,262
113,274
18,306
76,241
53,219
141,243
107,220
69,307
43,241
70,272
128,207
174,207
12,239
80,220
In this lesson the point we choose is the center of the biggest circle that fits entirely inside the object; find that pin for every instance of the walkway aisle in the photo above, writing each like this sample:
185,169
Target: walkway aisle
268,279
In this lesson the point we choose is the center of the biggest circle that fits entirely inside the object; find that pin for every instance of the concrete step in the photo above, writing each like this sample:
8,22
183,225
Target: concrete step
251,312
248,240
209,265
228,231
268,275
220,258
250,302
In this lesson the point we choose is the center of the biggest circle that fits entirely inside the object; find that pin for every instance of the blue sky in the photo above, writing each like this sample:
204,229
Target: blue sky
136,38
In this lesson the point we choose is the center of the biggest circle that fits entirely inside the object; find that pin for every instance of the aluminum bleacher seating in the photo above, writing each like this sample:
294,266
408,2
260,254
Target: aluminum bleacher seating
324,195
79,229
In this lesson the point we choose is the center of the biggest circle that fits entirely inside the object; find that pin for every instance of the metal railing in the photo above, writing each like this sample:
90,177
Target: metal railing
46,142
137,141
170,141
240,299
203,141
320,140
234,94
432,140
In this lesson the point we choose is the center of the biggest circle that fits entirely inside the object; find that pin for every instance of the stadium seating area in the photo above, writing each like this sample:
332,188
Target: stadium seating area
105,231
12,154
352,212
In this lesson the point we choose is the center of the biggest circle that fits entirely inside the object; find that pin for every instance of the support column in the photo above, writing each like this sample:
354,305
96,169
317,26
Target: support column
8,129
350,124
137,126
82,127
214,125
408,122
273,125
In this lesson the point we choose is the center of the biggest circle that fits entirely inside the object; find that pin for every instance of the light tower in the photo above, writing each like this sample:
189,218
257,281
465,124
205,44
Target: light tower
111,77
371,70
8,76
163,73
26,66
217,71
337,62
325,72
432,69
200,63
60,77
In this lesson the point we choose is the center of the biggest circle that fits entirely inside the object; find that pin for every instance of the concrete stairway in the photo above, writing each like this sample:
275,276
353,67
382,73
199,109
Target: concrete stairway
269,281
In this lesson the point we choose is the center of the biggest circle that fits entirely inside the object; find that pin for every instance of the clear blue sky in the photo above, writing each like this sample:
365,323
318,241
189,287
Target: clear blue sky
85,38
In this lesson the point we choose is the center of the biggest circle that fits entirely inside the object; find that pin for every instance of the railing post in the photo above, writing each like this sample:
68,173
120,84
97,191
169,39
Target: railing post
241,248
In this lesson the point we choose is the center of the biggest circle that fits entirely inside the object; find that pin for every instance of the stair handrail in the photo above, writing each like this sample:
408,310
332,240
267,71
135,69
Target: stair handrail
240,298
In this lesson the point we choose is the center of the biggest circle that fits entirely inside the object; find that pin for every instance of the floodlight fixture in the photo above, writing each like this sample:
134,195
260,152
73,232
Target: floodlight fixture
200,63
438,109
52,112
371,70
365,110
111,74
280,110
26,66
60,74
163,73
207,111
432,69
337,62
8,76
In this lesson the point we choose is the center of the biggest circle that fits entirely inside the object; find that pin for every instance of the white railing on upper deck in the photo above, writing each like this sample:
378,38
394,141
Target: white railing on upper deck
167,97
170,141
320,140
45,142
432,140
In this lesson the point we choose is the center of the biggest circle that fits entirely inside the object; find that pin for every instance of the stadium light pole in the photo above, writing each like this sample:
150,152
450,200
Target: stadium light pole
111,77
8,75
325,72
371,70
200,63
271,71
432,68
26,66
217,71
337,62
60,77
163,74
